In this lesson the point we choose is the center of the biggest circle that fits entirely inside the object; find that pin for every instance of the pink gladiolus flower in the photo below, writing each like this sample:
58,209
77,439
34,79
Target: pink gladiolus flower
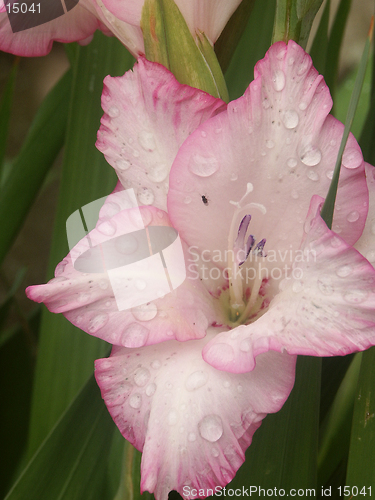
193,372
120,18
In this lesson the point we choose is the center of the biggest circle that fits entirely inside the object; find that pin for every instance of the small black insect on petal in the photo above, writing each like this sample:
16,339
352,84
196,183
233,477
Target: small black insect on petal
204,199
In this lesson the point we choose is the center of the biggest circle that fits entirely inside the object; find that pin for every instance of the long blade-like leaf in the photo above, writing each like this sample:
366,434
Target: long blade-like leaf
71,462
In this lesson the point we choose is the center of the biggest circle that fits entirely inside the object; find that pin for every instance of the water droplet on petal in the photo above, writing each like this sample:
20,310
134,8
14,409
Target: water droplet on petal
294,194
355,296
158,172
122,164
146,140
297,286
196,380
107,227
150,389
211,428
303,67
215,452
203,166
351,158
245,345
344,271
302,105
312,175
270,144
97,322
109,210
145,312
325,285
187,200
135,401
113,111
265,103
234,177
140,284
135,335
172,417
146,196
156,364
290,119
278,80
292,162
192,437
329,174
141,376
311,155
353,216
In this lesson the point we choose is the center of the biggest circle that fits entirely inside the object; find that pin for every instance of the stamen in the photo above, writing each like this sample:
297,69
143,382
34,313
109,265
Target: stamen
258,250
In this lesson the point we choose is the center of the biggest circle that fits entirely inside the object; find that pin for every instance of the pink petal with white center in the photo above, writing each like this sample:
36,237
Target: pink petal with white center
278,145
366,243
192,422
326,307
126,282
209,16
77,24
148,115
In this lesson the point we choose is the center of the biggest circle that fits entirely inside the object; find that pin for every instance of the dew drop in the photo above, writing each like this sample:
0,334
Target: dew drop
278,80
203,166
344,271
150,389
158,172
211,428
113,111
325,286
187,200
292,162
290,119
311,155
146,140
355,296
135,401
265,103
192,437
353,216
234,177
140,284
297,286
109,210
294,194
146,196
97,322
215,452
172,417
312,175
107,227
145,312
156,364
302,105
302,68
245,345
329,174
351,158
196,380
135,335
122,164
270,144
141,376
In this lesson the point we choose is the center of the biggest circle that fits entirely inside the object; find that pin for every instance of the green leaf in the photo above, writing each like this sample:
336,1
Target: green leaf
168,41
66,354
284,450
293,20
253,45
43,143
5,108
318,49
71,462
334,45
335,430
366,140
361,470
329,203
227,42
